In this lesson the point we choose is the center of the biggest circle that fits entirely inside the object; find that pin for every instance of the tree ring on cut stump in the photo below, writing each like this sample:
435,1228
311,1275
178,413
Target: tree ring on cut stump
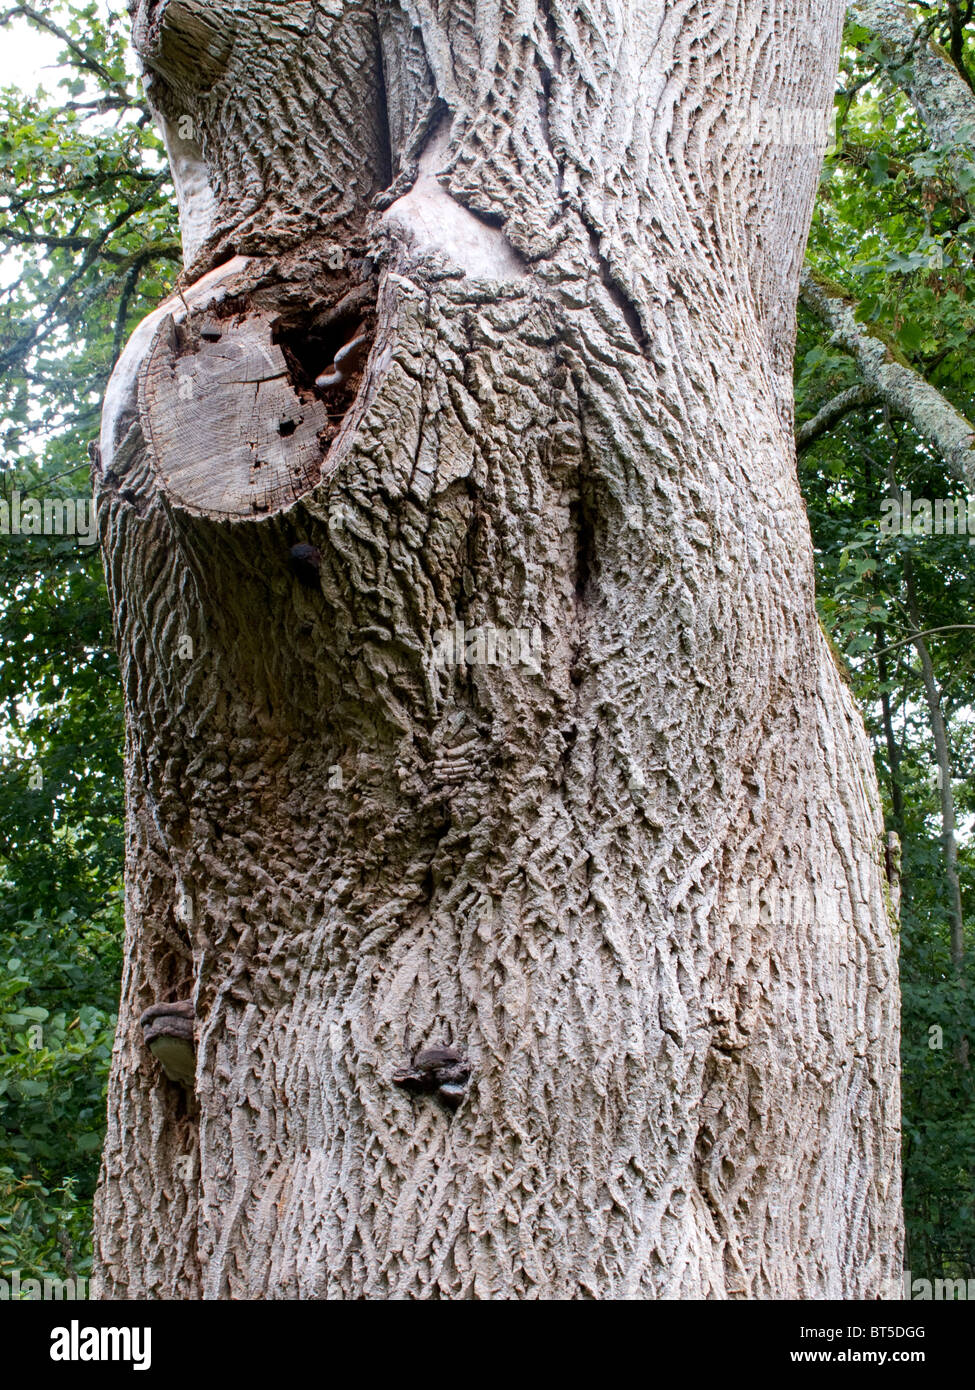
228,434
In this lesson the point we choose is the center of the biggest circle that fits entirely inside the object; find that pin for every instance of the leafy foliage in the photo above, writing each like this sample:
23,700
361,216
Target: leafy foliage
53,1070
87,227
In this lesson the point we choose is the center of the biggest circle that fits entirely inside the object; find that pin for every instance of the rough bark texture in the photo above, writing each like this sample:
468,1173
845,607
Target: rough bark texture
632,874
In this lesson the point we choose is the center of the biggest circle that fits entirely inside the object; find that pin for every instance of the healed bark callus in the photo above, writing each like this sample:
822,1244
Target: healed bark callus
439,1071
346,360
168,1034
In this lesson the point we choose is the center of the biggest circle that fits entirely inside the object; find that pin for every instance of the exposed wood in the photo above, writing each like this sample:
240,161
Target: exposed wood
225,429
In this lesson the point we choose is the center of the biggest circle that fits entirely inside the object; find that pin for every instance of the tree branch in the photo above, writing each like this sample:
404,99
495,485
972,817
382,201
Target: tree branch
928,632
82,56
943,101
897,384
18,350
956,26
942,747
853,398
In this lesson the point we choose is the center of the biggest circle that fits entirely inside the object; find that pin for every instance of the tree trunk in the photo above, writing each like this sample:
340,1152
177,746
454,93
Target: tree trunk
476,696
942,753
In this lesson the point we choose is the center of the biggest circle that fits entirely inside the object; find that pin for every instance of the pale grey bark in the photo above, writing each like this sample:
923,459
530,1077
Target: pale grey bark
634,873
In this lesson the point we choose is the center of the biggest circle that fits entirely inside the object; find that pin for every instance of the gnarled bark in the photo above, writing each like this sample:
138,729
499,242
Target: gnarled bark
534,760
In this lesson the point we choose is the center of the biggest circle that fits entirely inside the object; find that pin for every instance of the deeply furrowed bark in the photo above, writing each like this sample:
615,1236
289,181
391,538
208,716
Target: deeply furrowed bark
633,872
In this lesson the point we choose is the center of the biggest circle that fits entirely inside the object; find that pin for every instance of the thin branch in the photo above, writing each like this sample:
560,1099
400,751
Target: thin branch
956,46
853,398
125,299
18,350
928,632
83,57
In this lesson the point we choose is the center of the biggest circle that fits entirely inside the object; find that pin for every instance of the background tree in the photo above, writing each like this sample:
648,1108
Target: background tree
890,282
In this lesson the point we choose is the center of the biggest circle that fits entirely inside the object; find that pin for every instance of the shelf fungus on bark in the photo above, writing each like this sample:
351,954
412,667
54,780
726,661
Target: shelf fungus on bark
439,1071
168,1034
